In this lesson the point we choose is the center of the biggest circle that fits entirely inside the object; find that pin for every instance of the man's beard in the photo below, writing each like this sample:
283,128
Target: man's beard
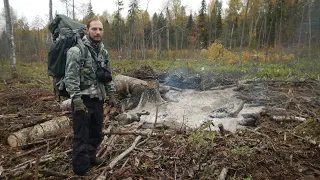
95,41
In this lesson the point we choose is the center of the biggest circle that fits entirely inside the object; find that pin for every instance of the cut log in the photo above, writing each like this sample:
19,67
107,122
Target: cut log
141,91
39,131
129,85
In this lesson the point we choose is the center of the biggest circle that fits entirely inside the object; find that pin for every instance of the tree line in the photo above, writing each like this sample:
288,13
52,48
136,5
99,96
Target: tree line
173,32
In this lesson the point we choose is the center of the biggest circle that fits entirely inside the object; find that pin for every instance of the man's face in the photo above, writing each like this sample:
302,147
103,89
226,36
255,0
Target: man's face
95,31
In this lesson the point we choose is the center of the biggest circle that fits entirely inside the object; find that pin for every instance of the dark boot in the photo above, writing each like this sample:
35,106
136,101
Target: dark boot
98,162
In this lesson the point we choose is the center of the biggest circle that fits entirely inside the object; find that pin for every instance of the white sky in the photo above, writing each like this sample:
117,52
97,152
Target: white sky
31,8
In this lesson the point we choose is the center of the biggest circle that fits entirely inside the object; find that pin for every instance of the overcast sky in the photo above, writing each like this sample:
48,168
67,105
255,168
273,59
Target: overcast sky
31,8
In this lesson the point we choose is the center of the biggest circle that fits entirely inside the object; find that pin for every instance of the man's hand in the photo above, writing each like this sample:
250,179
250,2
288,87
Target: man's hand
78,105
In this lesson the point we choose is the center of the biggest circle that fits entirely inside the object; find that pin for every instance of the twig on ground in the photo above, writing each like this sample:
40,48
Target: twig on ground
156,116
223,174
33,161
313,142
42,141
32,151
144,141
114,162
258,133
109,145
104,143
36,173
141,133
52,173
124,164
126,152
288,118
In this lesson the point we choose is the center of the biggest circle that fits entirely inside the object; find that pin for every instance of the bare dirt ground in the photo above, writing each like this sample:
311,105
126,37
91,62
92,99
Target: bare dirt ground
270,149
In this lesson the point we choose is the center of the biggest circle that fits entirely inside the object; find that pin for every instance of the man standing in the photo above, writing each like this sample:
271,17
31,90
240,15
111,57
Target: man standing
88,81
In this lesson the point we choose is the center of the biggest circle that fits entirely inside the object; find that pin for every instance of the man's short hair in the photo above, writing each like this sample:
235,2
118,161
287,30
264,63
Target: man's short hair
92,19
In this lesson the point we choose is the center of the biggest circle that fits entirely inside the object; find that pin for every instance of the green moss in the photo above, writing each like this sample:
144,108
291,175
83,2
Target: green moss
244,150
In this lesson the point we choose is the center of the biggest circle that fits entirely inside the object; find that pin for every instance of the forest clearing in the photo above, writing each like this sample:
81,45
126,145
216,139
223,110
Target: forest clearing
281,143
228,91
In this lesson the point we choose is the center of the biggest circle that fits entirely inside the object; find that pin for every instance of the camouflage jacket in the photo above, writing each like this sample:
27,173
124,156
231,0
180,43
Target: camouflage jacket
80,73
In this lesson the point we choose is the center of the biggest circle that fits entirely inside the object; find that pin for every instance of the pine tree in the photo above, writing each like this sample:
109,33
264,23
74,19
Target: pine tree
133,9
90,12
190,25
132,25
202,25
218,24
118,25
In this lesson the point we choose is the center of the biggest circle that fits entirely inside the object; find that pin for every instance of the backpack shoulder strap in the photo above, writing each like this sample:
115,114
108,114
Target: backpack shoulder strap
80,45
84,50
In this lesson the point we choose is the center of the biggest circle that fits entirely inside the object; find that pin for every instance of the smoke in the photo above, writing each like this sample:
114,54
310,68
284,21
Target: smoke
2,22
183,79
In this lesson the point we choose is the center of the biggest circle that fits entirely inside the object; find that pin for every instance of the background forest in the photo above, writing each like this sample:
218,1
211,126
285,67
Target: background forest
264,30
214,63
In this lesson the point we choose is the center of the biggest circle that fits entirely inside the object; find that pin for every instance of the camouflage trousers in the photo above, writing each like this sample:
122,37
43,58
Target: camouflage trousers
87,128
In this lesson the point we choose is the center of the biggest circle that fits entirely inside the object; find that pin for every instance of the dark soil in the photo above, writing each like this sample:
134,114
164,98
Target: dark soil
271,150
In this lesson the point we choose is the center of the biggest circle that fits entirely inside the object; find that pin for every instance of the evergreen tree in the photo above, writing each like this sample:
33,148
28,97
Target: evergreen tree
132,25
190,25
90,12
202,25
218,21
118,25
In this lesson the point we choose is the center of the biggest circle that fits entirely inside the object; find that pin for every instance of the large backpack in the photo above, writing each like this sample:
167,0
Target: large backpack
66,33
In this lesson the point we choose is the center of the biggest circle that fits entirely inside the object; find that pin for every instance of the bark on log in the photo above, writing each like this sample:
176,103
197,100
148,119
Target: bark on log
43,130
141,91
130,85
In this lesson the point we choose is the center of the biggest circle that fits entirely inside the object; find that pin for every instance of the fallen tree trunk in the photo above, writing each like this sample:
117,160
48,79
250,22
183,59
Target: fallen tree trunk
141,91
127,84
39,131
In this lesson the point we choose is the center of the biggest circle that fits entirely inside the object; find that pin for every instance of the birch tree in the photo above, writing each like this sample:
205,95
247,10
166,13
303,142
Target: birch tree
310,30
50,11
9,32
242,34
